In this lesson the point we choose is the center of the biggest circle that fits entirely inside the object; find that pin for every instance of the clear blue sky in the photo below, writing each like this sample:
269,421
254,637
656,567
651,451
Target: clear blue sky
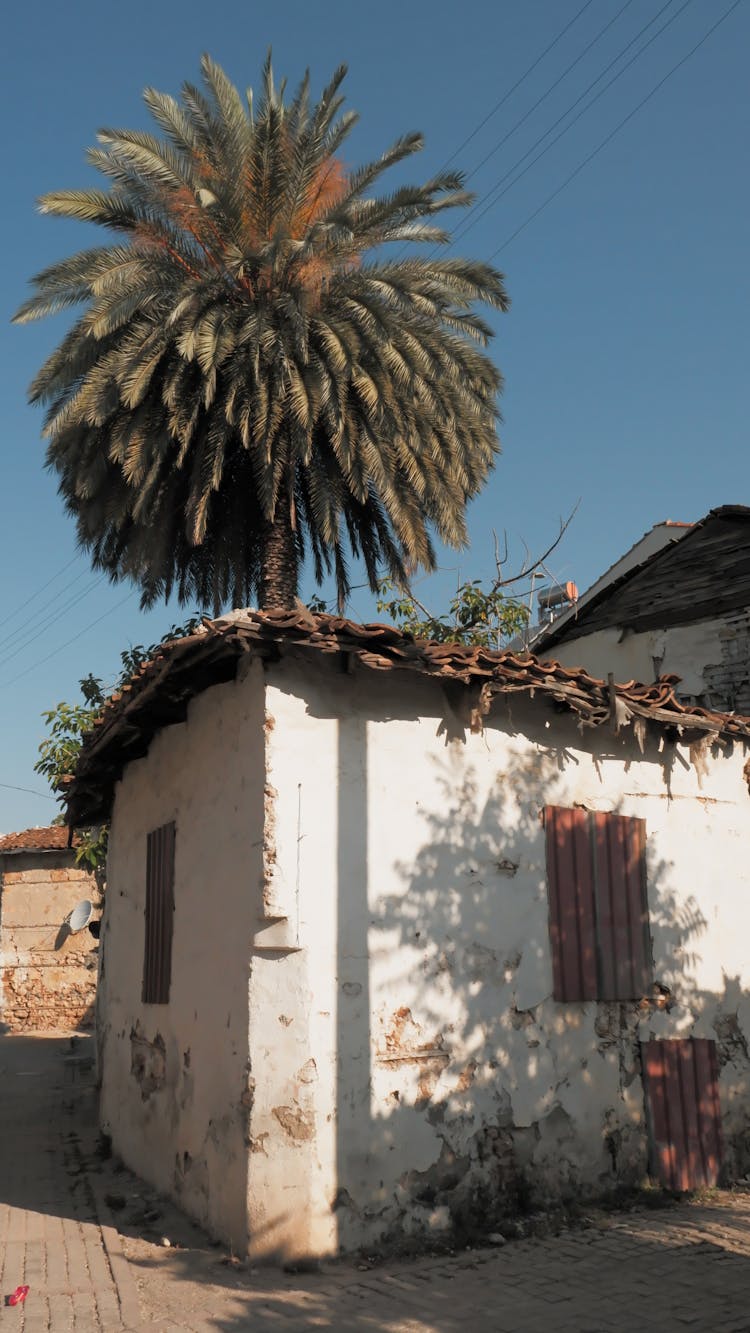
625,352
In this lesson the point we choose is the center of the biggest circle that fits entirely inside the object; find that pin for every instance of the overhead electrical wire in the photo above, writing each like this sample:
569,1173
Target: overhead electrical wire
4,684
620,125
506,96
33,596
483,206
63,611
522,120
10,786
22,630
501,103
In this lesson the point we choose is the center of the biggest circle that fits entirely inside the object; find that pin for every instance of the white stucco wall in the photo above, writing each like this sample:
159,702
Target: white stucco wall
360,1041
412,1067
175,1078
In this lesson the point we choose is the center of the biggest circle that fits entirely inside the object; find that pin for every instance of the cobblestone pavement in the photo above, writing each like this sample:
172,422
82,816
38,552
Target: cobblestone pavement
686,1267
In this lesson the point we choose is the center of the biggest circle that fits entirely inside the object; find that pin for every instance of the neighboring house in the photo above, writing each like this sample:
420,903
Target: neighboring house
678,603
47,974
402,937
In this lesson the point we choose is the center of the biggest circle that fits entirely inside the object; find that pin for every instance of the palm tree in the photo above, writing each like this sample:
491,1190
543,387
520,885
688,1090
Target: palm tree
251,379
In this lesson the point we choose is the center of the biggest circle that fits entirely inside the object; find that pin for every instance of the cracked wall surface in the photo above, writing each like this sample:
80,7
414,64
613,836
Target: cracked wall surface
47,975
176,1083
361,1044
451,1090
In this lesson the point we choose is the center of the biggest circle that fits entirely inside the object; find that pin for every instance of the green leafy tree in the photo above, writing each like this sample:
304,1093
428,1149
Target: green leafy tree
67,725
483,617
483,613
252,380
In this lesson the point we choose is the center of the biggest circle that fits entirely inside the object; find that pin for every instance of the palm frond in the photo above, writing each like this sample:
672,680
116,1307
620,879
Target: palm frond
247,361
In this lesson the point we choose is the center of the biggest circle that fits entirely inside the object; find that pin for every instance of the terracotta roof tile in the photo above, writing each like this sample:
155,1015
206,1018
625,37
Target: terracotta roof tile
160,691
51,839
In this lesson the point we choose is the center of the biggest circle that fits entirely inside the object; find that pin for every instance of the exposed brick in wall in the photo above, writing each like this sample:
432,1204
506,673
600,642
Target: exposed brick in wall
47,975
728,681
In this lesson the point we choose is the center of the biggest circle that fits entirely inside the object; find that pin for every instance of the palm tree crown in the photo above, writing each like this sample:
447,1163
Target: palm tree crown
245,386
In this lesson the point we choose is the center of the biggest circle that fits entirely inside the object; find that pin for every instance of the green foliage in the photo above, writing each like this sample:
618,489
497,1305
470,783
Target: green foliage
67,725
132,657
484,618
251,379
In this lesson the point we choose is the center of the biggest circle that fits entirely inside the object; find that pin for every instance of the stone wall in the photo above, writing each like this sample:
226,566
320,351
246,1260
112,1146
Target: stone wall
47,975
728,678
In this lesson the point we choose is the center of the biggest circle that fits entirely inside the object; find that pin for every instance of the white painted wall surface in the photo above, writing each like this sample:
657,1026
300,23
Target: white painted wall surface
410,1064
184,1126
363,981
683,650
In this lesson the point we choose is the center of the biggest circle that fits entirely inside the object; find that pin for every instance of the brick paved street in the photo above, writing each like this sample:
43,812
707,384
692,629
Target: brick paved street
50,1237
685,1267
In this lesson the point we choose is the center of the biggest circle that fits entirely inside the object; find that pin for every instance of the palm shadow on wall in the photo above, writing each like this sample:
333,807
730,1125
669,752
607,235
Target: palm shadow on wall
471,1097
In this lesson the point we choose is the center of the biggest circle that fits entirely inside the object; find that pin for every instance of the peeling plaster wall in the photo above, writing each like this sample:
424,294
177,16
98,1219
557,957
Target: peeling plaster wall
412,1072
176,1086
47,975
711,657
293,986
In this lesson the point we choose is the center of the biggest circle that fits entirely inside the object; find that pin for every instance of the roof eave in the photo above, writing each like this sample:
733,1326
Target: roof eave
159,695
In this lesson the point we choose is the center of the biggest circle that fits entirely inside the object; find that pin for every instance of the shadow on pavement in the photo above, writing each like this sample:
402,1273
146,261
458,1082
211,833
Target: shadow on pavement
47,1118
684,1266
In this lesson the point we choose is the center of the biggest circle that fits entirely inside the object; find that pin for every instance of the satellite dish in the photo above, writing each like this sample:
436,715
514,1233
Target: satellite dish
80,916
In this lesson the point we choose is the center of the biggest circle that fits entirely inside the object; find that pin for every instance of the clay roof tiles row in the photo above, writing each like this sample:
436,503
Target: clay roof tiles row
160,690
52,839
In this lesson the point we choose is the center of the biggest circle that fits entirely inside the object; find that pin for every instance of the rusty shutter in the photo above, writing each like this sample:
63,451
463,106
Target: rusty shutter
621,906
571,901
157,959
683,1112
599,932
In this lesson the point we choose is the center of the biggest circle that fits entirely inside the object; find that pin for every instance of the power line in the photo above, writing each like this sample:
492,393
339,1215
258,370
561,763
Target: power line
493,111
63,611
9,786
23,605
496,193
552,87
621,124
23,629
68,642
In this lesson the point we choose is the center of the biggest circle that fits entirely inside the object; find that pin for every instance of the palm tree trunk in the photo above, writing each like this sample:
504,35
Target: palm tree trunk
279,570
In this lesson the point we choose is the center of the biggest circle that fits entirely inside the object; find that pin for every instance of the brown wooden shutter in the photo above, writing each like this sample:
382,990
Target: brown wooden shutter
599,932
157,960
572,909
621,906
684,1113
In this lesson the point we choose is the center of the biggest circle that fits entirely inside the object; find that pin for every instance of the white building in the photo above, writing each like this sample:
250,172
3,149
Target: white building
676,604
388,925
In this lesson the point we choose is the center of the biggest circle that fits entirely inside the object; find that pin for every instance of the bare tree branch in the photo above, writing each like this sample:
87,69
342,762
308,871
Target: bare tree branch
525,569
